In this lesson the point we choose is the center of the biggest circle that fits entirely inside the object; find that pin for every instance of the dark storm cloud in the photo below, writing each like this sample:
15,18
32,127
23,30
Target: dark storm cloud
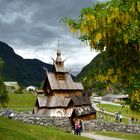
32,27
36,21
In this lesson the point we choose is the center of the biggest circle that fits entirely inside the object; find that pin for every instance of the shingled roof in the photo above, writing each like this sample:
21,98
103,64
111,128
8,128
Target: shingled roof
80,100
66,84
53,101
84,110
62,101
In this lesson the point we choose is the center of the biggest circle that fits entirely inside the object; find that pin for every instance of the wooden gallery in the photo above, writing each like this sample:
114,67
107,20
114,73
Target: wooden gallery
61,96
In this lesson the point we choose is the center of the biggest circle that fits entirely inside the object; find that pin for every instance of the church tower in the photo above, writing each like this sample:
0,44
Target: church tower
61,96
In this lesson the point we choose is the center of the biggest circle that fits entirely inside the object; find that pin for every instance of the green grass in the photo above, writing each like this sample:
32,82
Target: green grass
126,136
20,102
124,111
14,130
110,118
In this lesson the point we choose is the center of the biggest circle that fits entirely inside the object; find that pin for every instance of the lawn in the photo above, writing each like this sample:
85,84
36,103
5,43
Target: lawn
110,118
20,102
14,130
120,135
125,111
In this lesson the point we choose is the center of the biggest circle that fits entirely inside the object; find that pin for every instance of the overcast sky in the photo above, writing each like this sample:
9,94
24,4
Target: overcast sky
32,28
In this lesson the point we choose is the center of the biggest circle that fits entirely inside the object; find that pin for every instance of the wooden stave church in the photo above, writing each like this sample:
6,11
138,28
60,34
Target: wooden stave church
61,96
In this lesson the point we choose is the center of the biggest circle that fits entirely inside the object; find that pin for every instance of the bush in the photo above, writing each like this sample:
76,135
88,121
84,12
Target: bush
3,94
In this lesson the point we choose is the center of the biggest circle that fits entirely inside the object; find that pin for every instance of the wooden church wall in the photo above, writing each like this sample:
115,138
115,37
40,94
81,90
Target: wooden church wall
87,117
67,93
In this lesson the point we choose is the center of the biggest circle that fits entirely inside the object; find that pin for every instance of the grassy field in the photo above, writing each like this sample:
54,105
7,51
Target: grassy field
120,135
125,111
20,102
13,130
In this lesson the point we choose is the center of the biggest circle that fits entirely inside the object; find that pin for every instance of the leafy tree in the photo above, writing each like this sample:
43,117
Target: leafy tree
3,94
113,27
3,91
135,100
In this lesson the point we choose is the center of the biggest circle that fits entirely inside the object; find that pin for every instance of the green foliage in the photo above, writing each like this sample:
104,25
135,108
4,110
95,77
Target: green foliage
113,27
97,77
13,130
3,94
3,91
116,19
135,100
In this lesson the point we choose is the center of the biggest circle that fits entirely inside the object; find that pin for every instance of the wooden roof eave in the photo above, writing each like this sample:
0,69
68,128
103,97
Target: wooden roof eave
55,107
84,112
67,89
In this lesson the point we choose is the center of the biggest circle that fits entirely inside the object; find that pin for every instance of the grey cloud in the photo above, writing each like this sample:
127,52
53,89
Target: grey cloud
23,19
35,24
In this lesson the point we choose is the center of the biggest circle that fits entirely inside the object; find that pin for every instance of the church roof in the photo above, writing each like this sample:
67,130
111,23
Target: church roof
66,84
80,100
84,110
62,101
53,101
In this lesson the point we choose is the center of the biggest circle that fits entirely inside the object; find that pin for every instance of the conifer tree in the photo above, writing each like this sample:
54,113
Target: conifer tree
3,91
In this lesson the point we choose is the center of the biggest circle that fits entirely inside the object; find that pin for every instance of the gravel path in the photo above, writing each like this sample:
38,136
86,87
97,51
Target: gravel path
98,137
106,112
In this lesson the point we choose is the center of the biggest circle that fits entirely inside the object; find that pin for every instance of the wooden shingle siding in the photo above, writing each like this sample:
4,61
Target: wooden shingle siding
66,84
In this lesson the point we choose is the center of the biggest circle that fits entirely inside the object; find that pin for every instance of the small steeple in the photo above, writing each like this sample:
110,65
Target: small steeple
59,63
58,58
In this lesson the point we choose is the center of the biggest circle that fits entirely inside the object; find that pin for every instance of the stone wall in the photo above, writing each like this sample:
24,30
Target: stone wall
60,122
95,125
64,123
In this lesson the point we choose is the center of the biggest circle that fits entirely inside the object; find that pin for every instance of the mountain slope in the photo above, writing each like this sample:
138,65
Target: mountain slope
96,63
25,71
104,75
90,74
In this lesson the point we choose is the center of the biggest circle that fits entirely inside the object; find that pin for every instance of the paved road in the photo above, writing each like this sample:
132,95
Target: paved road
111,103
99,137
106,112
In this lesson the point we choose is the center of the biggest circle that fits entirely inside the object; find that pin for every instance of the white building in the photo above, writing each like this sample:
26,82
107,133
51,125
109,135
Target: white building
11,85
31,88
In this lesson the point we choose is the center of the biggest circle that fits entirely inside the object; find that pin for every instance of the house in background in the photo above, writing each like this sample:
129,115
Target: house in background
115,97
61,96
31,88
11,85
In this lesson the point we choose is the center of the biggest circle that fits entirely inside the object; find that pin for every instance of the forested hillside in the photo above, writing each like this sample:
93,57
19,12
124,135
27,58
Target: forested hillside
25,71
92,76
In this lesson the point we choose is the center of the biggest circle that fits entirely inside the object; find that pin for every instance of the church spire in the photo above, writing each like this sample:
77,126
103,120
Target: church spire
58,58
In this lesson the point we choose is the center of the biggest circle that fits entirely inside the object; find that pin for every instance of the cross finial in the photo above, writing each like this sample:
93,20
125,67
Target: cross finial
58,42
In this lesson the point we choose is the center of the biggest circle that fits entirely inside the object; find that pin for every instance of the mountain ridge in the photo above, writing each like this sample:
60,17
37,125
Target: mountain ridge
25,71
